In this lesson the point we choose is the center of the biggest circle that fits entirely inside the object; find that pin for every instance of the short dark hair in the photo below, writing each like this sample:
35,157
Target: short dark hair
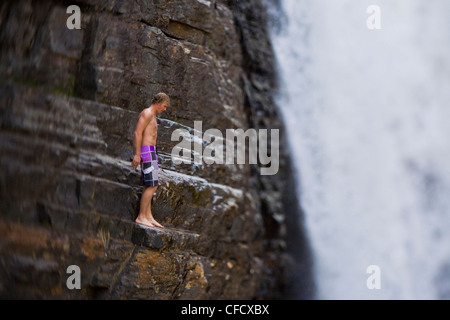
160,97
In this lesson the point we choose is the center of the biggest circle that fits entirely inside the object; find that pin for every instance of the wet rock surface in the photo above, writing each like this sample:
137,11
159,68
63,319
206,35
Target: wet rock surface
69,102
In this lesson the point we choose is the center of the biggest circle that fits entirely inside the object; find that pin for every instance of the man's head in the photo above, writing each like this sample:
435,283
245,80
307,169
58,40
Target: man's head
160,101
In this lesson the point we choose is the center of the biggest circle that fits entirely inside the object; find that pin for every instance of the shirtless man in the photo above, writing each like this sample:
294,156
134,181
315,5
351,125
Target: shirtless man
145,153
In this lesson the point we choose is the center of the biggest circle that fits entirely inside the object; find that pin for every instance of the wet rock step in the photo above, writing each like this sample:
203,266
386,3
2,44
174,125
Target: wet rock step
174,240
164,239
107,228
90,223
194,204
73,222
198,208
182,201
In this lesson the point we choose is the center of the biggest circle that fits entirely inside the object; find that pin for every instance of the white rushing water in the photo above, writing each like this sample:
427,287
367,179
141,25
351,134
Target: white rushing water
368,118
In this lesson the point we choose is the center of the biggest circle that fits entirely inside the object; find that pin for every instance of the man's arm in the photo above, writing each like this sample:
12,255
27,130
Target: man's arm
143,121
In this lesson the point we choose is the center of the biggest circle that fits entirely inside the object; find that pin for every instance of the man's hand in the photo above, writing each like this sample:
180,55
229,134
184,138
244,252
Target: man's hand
136,161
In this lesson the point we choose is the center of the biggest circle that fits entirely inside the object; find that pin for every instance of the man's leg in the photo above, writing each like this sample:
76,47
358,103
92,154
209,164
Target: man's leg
145,212
149,210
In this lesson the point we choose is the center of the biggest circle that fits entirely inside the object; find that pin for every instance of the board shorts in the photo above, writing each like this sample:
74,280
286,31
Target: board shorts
149,166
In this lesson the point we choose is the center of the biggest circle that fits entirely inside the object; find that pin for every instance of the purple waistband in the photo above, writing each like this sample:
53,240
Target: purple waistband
148,153
145,149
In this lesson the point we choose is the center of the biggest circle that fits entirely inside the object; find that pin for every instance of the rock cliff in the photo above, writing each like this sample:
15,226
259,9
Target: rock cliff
69,103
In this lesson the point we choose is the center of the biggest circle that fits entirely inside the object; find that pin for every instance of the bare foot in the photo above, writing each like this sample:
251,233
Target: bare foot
149,223
157,224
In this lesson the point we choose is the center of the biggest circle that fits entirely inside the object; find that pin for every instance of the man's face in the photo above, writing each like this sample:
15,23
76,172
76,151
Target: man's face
162,107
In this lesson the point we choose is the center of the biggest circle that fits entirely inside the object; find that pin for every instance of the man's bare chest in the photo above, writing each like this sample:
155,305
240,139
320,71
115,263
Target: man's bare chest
152,127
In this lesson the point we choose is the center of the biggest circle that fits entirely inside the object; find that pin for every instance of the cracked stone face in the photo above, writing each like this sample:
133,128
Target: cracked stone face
70,100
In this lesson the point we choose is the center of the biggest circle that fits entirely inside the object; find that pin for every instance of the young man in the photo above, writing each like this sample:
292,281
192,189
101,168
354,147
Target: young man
145,153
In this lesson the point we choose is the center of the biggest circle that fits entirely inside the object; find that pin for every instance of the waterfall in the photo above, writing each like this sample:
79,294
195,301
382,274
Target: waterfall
368,121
